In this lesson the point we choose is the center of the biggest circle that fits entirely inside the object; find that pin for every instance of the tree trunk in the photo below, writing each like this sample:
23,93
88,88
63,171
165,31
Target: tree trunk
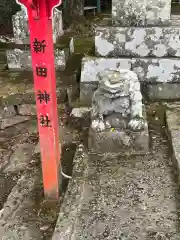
73,11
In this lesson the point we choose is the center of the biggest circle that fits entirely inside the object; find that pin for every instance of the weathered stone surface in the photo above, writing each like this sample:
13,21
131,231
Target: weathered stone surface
21,30
73,94
157,69
7,112
57,24
80,112
18,212
91,66
120,197
8,122
141,12
75,194
148,70
162,91
20,27
20,159
27,109
173,123
142,42
86,92
21,59
116,141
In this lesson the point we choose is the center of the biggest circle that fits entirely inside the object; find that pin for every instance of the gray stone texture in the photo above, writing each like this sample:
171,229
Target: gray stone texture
148,69
76,193
141,12
115,141
8,122
21,30
86,92
21,59
137,42
120,197
173,124
91,66
20,158
162,91
19,207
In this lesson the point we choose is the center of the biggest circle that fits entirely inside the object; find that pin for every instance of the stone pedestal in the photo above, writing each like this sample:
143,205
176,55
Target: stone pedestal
118,141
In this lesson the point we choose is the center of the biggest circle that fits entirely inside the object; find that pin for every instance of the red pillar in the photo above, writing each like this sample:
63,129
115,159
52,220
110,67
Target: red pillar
42,52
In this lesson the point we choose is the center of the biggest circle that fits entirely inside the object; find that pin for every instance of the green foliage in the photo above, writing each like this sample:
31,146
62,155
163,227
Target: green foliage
7,9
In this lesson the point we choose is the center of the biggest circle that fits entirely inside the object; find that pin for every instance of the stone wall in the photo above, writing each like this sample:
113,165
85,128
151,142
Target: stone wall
148,70
141,12
142,42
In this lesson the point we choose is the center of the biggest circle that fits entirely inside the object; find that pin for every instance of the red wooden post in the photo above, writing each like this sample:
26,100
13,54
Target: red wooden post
42,52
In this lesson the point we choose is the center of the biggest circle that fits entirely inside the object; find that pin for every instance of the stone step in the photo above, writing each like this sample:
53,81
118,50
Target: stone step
17,86
141,13
137,41
148,70
19,57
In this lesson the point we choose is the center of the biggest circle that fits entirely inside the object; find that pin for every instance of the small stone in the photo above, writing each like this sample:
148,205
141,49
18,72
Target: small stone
80,112
136,124
44,228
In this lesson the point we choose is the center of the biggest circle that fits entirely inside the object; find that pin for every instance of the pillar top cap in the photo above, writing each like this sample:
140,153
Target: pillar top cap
37,6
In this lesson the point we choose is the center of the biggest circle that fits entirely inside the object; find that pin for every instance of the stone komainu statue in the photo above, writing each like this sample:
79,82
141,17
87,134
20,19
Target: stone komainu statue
117,102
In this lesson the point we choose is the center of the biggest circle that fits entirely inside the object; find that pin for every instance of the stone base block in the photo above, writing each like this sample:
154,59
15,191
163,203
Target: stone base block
116,141
21,59
137,41
147,69
141,13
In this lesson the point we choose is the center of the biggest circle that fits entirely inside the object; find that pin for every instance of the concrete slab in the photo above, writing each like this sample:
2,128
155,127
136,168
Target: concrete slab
119,197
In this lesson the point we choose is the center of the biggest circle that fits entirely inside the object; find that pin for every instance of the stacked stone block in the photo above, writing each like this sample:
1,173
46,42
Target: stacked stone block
18,54
150,44
139,37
